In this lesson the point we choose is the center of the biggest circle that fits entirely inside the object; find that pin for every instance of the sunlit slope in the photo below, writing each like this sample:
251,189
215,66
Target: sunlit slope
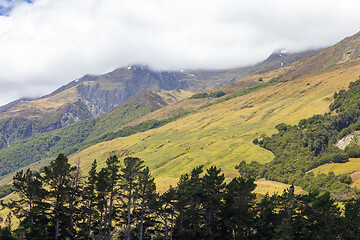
222,134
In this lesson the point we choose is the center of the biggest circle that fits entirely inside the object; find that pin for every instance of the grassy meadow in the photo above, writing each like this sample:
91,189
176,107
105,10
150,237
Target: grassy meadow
222,134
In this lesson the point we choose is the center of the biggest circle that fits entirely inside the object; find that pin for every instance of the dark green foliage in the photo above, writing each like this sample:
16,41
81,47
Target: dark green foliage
68,140
238,214
353,150
76,137
5,234
199,95
309,144
31,209
122,199
58,177
351,226
248,90
215,94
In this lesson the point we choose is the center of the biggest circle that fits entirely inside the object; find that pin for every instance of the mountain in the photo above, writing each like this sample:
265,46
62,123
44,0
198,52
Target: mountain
221,133
91,95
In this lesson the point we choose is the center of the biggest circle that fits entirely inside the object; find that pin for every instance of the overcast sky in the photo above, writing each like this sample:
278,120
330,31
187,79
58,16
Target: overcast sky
47,43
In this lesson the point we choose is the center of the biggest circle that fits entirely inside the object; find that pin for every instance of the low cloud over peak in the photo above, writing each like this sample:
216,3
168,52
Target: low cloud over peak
47,43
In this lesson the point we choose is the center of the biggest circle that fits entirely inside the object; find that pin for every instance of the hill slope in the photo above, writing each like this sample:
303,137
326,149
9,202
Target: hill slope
78,135
92,95
222,133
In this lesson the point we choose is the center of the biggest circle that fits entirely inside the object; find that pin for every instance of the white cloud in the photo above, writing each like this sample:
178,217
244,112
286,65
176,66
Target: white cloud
50,42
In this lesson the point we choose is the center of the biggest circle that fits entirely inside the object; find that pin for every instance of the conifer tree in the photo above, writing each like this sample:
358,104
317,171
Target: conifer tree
129,181
102,201
58,178
89,199
188,205
113,167
31,208
238,214
213,193
166,212
75,190
146,196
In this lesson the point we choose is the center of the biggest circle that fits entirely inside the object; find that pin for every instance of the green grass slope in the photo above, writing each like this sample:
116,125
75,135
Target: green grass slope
222,134
81,134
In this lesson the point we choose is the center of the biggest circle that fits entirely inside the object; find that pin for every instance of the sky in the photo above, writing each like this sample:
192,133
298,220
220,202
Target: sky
45,44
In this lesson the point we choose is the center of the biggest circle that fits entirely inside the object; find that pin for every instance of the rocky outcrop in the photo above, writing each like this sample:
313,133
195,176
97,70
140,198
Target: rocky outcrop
126,83
342,143
93,95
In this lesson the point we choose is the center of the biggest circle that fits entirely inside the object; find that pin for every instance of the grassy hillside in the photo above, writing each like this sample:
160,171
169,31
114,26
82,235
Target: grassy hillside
81,134
222,134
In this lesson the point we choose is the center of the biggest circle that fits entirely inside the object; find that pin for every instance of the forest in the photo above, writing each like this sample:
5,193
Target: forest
303,147
120,201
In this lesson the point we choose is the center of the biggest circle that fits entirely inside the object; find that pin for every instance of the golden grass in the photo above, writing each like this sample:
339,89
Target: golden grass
38,109
174,95
222,134
271,187
352,167
339,168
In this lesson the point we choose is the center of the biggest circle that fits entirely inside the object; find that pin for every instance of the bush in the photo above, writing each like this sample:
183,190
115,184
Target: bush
353,150
199,95
217,94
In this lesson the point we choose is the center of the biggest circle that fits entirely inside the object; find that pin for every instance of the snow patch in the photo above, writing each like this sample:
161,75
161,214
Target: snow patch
283,51
129,68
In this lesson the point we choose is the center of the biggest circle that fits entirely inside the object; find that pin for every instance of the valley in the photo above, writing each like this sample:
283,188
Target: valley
173,132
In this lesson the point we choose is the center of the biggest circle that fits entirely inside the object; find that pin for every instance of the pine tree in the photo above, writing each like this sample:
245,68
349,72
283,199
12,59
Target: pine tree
129,181
213,193
267,217
351,227
75,191
165,211
188,205
146,197
58,178
31,208
113,167
238,214
102,201
287,204
89,200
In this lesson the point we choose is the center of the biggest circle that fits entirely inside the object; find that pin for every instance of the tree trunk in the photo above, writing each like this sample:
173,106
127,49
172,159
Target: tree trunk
89,219
129,217
57,220
142,221
31,213
100,225
110,214
172,223
128,227
166,227
57,227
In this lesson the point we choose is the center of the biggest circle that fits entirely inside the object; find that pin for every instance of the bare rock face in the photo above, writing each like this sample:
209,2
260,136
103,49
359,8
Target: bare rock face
93,95
110,90
342,143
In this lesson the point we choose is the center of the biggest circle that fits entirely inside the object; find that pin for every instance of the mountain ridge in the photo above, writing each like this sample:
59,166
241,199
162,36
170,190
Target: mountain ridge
93,95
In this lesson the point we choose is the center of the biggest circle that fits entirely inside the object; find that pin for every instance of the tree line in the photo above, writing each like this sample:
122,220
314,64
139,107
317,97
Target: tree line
311,143
120,201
